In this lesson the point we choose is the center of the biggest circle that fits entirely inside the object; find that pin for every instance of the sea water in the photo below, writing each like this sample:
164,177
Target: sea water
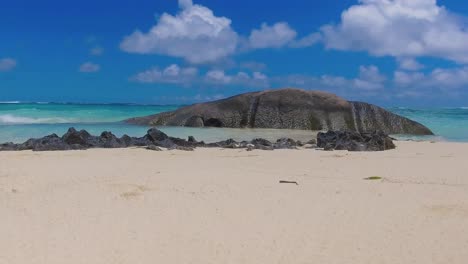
21,121
448,123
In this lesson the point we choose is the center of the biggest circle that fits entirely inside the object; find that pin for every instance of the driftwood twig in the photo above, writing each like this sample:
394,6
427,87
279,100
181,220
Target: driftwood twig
290,182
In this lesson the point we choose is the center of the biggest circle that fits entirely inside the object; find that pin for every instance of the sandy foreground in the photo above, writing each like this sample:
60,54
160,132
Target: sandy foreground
227,206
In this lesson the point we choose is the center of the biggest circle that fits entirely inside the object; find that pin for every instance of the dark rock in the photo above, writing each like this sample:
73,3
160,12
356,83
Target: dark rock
223,144
155,134
261,142
109,140
182,148
167,143
262,147
285,143
287,108
183,142
155,139
140,142
73,137
127,141
153,148
47,143
354,141
192,139
195,121
9,146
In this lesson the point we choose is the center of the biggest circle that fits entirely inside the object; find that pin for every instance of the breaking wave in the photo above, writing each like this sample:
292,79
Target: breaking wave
13,120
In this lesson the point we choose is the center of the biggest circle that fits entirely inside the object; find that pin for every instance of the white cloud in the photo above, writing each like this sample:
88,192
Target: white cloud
369,78
400,28
402,78
205,98
185,3
172,74
218,77
259,76
439,78
194,34
275,36
89,67
189,76
307,41
369,82
409,64
7,64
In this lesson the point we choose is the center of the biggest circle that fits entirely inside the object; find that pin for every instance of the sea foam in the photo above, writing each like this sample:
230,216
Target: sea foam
12,119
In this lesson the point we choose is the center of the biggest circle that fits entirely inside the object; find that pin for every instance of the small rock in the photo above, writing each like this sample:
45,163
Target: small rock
153,148
261,142
182,148
354,141
285,143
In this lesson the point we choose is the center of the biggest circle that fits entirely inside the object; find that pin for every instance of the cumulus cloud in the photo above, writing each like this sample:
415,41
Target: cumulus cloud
89,67
218,76
194,34
275,36
402,78
369,78
185,3
190,76
7,64
409,64
453,78
400,28
307,41
256,79
172,74
368,82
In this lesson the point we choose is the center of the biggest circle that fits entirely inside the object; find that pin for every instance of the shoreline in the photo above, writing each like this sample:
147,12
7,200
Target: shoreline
227,205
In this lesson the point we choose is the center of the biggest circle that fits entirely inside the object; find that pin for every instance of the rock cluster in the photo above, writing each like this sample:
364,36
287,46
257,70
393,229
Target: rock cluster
354,141
156,140
153,140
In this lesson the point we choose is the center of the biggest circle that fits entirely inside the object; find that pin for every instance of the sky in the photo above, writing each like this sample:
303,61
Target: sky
388,52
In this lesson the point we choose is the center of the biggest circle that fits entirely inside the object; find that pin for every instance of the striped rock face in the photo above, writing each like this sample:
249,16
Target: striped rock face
287,109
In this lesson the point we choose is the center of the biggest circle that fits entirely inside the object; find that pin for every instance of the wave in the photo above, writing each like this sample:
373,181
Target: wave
10,102
14,120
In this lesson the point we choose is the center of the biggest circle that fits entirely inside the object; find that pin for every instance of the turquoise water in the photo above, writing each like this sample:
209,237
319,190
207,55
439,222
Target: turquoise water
449,124
21,121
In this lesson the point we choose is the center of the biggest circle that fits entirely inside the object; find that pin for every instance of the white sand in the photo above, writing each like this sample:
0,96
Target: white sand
227,206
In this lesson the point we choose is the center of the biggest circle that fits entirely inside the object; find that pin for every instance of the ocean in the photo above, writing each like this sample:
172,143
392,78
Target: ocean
21,121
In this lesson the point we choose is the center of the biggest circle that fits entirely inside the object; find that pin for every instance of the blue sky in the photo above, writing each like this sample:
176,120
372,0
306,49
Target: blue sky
390,52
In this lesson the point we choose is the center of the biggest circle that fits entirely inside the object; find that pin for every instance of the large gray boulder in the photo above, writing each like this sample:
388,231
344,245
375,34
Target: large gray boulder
287,109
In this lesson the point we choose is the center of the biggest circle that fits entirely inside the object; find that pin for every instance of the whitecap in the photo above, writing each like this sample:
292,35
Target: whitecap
10,102
12,119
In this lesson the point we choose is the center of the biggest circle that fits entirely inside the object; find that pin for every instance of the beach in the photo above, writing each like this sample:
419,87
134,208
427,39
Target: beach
228,206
